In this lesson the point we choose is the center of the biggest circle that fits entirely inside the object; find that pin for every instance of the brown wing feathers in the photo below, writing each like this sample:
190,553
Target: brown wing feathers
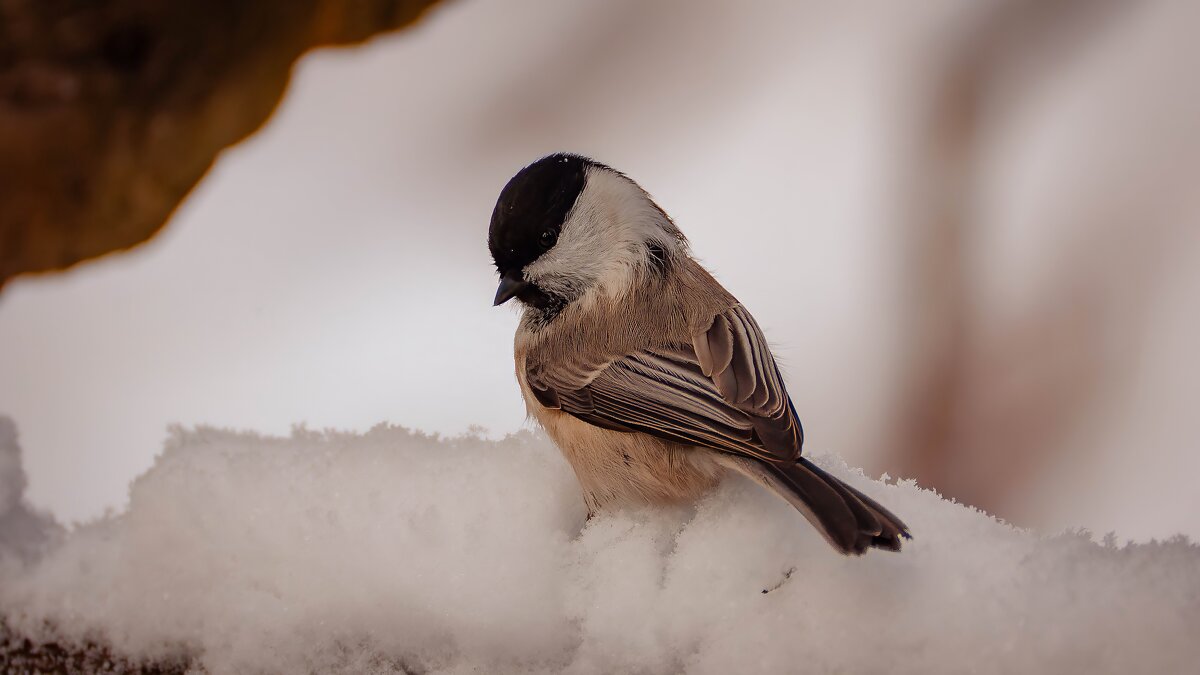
734,354
724,393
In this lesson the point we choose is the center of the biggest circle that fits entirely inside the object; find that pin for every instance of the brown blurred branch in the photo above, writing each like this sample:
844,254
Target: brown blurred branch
971,422
110,112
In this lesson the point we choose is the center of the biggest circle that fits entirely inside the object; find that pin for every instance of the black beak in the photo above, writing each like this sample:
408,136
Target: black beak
510,285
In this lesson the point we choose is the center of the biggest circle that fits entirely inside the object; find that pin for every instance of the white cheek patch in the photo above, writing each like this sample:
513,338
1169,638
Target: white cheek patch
603,243
579,257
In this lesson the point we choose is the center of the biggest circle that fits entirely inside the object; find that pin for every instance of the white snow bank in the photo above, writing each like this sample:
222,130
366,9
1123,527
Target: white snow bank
333,552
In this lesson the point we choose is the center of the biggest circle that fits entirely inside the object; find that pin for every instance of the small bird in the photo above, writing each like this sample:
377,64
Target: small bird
652,379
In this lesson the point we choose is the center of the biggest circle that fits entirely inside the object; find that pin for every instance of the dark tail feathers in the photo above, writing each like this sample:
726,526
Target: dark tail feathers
849,520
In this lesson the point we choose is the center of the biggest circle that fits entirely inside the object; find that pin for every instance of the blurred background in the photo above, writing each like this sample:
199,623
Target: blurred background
969,228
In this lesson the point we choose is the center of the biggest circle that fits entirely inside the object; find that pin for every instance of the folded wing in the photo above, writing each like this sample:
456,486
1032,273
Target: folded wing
723,392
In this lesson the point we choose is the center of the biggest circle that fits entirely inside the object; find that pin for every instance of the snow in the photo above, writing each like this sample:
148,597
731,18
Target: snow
393,550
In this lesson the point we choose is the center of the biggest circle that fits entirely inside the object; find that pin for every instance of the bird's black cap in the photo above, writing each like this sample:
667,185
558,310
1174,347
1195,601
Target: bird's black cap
534,202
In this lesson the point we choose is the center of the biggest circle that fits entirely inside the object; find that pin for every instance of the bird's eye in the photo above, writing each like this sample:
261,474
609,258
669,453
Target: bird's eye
548,237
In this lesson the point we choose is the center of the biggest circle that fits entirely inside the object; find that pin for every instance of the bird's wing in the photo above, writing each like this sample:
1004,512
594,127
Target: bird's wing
723,391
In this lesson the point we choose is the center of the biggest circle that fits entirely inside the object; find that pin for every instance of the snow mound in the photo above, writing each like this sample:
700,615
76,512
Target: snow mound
393,551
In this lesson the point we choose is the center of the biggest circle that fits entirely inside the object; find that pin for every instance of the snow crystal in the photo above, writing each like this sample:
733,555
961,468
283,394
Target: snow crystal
392,550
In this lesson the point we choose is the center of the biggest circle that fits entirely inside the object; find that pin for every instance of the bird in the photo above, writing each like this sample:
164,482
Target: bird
652,379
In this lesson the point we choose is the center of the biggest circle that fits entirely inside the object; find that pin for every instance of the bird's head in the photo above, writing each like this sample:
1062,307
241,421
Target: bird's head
566,227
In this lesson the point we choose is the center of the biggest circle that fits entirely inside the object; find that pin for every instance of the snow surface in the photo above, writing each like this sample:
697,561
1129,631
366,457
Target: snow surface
391,550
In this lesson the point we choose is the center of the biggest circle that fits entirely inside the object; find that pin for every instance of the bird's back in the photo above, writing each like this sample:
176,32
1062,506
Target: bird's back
657,311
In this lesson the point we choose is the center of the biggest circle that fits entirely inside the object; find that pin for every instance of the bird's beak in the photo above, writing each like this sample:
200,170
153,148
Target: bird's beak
510,285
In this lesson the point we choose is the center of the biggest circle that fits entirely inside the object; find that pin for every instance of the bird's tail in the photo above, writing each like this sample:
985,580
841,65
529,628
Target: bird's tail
849,520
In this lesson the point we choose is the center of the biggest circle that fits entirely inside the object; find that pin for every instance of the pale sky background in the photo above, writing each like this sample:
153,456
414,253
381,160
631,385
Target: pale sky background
332,270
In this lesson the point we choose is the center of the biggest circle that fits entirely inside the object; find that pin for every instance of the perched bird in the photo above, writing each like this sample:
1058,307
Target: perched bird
651,378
